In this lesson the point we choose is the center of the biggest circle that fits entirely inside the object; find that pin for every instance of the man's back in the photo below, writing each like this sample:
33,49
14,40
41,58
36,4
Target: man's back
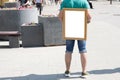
74,4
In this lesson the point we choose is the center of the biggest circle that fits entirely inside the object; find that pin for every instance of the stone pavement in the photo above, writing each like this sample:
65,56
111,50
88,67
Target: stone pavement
47,63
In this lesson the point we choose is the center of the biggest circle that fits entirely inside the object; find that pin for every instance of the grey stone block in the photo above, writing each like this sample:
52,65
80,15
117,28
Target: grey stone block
32,35
52,28
11,20
12,4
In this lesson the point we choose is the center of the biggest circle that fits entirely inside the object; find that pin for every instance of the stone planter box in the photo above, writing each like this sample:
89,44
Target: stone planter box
11,20
32,35
52,30
12,4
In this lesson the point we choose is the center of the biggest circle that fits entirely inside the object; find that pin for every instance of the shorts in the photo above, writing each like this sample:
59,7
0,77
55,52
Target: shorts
81,46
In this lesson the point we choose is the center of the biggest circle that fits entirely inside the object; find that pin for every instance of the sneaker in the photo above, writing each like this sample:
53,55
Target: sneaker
67,74
84,74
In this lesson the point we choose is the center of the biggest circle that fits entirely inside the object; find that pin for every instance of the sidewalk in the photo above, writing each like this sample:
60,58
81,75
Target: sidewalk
47,63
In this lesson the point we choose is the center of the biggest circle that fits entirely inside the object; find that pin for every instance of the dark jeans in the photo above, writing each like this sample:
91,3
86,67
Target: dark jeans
39,7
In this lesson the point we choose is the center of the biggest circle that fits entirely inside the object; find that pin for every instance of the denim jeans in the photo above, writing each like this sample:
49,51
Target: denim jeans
81,46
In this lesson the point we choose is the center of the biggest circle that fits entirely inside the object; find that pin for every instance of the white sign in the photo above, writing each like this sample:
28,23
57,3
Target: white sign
74,24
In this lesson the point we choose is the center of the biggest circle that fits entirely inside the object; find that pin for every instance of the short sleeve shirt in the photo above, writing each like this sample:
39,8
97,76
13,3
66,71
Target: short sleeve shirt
38,1
74,4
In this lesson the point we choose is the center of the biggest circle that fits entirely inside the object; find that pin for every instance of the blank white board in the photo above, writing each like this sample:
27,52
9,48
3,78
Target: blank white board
74,24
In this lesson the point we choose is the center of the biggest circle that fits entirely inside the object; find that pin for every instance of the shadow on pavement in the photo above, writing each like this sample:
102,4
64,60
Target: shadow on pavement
41,77
60,76
105,71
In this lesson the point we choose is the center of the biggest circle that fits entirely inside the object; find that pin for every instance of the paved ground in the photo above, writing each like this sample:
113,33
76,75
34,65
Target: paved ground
47,63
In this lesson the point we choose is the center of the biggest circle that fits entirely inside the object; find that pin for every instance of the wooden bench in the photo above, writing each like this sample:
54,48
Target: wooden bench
13,37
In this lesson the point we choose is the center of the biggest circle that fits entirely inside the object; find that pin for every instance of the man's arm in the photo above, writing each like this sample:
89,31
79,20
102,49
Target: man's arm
88,17
60,15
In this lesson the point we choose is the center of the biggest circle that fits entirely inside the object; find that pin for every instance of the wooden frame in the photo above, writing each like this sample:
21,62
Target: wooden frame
74,24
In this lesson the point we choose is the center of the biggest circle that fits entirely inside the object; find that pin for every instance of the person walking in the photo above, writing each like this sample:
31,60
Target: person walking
22,2
39,5
90,3
70,43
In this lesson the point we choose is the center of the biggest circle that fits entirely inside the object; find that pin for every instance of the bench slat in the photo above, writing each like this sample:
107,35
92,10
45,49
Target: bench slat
9,33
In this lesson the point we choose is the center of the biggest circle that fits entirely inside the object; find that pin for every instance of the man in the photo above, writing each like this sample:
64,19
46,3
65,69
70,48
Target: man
70,43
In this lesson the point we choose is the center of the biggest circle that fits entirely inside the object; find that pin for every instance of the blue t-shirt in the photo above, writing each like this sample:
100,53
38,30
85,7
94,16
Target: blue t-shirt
74,4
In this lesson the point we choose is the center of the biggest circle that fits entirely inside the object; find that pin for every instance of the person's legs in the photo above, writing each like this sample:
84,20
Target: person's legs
40,8
68,58
83,62
91,6
38,5
83,51
56,1
68,54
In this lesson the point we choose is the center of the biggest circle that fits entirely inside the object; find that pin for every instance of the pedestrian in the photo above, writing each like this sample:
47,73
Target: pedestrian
70,43
22,2
56,1
90,3
39,5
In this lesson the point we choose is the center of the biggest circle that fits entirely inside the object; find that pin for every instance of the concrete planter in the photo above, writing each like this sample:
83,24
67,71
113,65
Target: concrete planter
32,35
11,20
11,4
52,30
